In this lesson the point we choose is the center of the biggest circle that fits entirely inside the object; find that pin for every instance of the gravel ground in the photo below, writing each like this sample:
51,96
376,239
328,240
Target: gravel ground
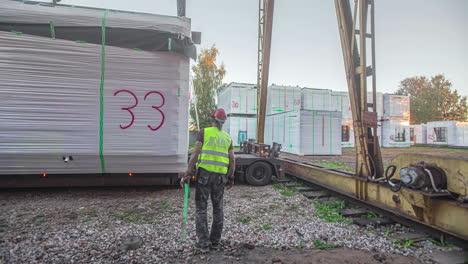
83,226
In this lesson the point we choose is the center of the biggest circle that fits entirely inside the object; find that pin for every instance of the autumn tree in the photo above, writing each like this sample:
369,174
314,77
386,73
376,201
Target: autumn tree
207,82
433,99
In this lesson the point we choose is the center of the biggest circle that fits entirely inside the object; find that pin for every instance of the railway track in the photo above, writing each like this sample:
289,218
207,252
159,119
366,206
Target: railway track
357,210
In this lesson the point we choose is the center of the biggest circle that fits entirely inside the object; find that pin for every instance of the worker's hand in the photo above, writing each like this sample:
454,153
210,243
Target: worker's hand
230,182
185,179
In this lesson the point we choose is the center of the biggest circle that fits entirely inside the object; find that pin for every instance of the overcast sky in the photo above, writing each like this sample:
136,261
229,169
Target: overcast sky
413,37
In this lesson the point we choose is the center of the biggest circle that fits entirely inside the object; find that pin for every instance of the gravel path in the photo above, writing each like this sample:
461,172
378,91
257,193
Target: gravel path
81,226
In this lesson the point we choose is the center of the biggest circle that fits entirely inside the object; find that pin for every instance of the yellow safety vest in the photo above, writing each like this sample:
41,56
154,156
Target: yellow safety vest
214,155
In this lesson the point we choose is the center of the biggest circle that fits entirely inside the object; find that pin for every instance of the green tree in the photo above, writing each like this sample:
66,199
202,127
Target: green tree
433,99
207,82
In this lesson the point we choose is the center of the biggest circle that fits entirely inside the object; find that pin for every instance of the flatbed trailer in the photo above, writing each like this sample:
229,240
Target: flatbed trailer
257,164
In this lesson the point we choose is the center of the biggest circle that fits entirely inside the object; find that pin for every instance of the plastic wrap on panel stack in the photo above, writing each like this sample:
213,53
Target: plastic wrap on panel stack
418,134
396,107
395,134
306,132
442,133
316,99
240,128
238,98
340,102
283,99
82,94
462,134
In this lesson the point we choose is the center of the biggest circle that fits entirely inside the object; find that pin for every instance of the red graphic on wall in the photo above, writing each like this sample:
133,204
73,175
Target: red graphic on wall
234,104
158,109
129,109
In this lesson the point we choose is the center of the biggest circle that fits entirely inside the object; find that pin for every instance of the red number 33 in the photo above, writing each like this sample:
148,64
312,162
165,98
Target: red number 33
129,109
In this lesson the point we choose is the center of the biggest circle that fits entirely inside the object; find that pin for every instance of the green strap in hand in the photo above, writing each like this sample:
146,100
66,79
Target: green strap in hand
184,214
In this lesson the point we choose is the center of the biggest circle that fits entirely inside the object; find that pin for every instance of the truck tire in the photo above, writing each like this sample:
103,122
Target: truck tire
258,174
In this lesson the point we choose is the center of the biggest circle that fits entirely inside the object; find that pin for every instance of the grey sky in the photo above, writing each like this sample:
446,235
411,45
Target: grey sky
414,37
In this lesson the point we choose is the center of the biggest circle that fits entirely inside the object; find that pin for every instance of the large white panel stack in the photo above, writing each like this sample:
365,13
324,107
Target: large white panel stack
283,99
395,134
418,134
396,107
395,124
316,99
59,99
306,132
240,128
442,133
462,134
238,98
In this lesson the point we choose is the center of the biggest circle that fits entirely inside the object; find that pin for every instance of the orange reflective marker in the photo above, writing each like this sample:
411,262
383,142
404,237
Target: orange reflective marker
44,175
130,174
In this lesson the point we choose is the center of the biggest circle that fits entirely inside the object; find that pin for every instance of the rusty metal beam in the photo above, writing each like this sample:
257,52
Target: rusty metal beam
368,158
265,25
432,210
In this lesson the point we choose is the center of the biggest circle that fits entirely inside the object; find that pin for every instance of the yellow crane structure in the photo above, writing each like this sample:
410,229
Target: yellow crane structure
426,189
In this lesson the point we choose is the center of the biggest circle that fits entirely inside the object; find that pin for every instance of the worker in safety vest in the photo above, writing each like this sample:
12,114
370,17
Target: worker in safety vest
214,160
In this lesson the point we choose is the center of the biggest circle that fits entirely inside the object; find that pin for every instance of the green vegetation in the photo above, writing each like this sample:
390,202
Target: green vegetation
287,193
245,220
301,245
405,243
318,244
92,213
165,205
279,186
441,147
389,233
267,227
330,212
87,220
372,215
335,165
441,242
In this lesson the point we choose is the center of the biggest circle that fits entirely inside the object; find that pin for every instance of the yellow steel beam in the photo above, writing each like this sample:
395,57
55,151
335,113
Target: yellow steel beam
443,214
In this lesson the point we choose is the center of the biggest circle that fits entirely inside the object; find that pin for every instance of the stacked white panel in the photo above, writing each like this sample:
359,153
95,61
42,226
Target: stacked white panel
340,102
316,99
306,132
442,133
283,99
238,98
462,134
396,107
56,104
51,102
240,128
418,134
395,134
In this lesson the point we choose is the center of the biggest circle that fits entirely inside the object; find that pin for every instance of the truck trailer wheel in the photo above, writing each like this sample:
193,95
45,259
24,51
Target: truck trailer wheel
258,174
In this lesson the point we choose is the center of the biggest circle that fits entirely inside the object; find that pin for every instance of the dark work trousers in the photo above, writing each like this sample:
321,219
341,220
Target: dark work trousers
209,183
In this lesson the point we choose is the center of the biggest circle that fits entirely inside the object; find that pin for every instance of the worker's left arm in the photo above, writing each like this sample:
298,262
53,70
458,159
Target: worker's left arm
191,166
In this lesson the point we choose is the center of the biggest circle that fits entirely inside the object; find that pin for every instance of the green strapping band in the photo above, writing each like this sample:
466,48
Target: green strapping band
169,44
101,93
52,29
